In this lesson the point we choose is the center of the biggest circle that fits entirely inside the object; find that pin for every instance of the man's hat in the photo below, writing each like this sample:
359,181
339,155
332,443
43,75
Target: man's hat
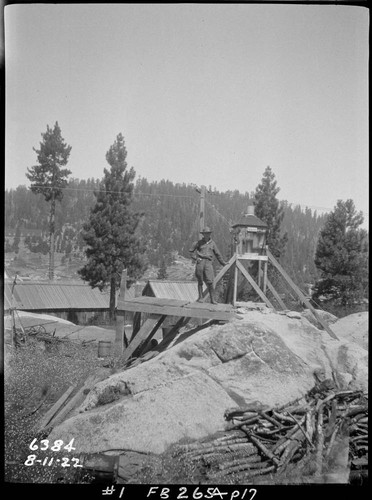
206,230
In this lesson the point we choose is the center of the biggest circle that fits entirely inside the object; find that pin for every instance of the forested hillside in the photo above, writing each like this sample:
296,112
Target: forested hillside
170,221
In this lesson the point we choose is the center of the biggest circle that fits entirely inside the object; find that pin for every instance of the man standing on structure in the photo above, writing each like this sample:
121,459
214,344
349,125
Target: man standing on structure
205,249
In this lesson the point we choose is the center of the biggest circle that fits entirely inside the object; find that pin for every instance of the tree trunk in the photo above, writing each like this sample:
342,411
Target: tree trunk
51,237
112,298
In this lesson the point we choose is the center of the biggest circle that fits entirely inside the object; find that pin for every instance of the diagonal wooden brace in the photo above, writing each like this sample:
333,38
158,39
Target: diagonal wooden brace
300,294
252,282
147,331
276,295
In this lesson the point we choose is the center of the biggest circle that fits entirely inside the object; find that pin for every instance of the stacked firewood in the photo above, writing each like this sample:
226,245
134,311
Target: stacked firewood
261,441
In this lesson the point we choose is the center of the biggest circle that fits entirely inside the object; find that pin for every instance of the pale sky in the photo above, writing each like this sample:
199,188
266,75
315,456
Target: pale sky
203,94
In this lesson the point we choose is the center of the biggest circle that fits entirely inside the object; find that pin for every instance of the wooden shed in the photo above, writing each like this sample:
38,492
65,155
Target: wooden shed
175,289
74,301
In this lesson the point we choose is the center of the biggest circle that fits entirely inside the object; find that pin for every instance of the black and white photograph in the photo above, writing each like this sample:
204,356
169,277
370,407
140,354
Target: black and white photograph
186,243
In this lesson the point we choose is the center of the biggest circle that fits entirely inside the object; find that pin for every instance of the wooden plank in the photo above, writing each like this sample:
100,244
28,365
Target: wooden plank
154,300
77,399
207,306
43,423
147,331
254,285
276,295
251,256
300,294
191,310
119,333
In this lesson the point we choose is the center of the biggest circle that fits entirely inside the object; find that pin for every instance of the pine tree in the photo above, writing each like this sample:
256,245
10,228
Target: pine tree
17,239
269,209
342,257
162,272
111,234
49,178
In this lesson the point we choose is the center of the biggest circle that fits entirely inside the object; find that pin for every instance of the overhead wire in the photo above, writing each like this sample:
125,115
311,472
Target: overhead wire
366,214
135,193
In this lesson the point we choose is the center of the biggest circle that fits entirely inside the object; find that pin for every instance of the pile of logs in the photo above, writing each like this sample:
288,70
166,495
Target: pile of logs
305,433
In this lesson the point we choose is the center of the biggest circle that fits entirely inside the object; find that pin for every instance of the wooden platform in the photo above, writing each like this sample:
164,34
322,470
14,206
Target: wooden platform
181,308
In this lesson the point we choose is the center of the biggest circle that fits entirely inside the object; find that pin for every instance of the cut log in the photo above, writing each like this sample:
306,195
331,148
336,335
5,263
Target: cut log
263,449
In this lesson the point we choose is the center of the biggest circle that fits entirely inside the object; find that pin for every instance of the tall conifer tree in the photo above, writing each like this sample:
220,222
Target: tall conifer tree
49,178
342,257
269,209
111,233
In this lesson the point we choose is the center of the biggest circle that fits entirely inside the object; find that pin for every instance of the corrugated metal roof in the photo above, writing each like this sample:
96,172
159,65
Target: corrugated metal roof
164,289
250,220
51,296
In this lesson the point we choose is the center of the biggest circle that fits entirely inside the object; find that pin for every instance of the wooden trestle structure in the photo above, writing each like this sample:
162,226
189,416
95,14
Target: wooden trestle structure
157,309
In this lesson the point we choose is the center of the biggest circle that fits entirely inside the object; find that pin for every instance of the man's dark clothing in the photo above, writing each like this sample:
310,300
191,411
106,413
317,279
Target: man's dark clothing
205,251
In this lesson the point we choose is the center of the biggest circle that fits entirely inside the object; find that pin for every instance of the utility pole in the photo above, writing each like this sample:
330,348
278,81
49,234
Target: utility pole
202,208
51,237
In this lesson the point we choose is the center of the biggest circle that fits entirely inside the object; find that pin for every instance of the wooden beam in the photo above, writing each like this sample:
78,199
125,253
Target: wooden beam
301,296
147,331
265,278
72,403
190,309
54,409
119,335
254,285
259,273
276,295
235,290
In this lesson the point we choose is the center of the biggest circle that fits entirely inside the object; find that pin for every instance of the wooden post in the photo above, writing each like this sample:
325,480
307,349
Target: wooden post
51,237
259,273
137,315
120,318
265,277
235,283
300,295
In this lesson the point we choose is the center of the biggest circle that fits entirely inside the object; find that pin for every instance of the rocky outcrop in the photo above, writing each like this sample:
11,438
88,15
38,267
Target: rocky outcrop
183,393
